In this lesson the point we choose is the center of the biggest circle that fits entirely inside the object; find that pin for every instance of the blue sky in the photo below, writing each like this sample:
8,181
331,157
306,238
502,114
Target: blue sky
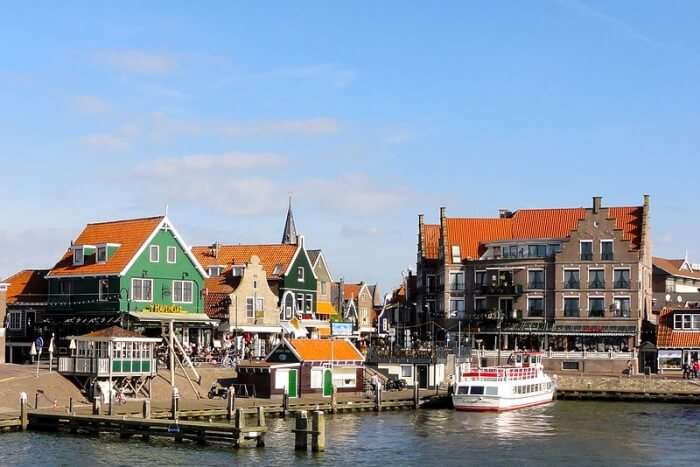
368,113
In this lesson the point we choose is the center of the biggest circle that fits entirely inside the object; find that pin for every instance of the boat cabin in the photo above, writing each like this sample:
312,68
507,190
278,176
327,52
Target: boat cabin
526,359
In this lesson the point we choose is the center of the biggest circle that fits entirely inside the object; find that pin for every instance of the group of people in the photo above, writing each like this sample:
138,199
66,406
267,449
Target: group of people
691,370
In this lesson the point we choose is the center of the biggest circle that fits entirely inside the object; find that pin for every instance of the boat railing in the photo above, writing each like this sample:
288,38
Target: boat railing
501,374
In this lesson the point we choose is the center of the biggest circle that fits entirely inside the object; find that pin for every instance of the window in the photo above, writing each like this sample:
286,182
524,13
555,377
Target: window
237,271
535,279
456,254
480,304
323,287
476,390
277,270
101,254
606,250
596,307
431,282
586,250
596,278
571,307
457,281
538,251
172,255
259,307
406,371
78,257
14,320
102,289
480,278
142,290
182,291
686,322
554,248
622,278
622,306
250,307
300,274
215,270
309,303
535,307
317,378
154,253
491,390
288,307
300,302
571,279
456,307
571,365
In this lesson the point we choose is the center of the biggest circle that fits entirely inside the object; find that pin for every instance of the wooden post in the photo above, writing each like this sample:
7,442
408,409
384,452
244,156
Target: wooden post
239,422
174,403
70,406
230,404
96,407
301,431
416,392
36,400
318,435
285,404
333,399
147,408
23,411
377,399
260,441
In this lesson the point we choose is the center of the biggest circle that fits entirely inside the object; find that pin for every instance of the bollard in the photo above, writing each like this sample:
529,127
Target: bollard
301,431
285,404
318,435
416,392
378,399
261,416
230,403
23,410
96,407
36,400
240,419
147,408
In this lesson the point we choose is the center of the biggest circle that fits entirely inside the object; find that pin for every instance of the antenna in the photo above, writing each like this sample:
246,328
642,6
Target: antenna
166,209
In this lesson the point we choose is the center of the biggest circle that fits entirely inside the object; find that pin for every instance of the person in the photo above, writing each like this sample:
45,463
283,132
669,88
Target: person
696,368
375,383
629,367
686,370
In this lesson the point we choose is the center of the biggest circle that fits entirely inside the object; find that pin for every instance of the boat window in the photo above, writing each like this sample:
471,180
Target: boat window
491,390
477,390
463,390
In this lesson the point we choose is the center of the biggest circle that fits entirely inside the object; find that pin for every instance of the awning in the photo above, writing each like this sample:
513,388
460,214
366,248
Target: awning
315,323
257,329
592,330
294,328
325,308
191,318
324,332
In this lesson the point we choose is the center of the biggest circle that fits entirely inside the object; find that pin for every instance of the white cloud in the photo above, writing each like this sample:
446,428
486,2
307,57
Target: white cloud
92,105
136,61
177,166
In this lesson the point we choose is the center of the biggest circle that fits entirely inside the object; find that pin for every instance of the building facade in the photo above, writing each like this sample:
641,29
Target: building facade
562,280
676,283
26,299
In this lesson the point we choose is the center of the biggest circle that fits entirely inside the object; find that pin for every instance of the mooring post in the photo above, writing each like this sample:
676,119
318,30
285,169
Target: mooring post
96,407
301,431
70,406
261,416
334,392
416,392
147,408
174,403
36,400
318,434
378,399
260,441
285,403
230,404
23,410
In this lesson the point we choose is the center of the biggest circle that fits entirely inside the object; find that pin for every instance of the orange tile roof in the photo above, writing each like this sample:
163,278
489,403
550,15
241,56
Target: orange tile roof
326,350
229,255
351,291
431,241
667,337
130,234
216,305
225,284
673,267
471,233
27,286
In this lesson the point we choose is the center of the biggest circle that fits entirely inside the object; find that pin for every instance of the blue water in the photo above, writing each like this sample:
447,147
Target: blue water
563,433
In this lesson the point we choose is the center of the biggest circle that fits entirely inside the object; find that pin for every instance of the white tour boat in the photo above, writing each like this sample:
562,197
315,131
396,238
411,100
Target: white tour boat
520,384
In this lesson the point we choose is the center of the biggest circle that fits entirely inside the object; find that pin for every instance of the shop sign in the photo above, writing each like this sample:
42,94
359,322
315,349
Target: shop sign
157,308
341,329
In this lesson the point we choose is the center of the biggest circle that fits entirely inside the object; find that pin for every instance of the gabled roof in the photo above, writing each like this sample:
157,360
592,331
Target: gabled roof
132,236
230,255
314,255
532,224
667,337
114,333
673,267
326,350
27,286
431,241
351,290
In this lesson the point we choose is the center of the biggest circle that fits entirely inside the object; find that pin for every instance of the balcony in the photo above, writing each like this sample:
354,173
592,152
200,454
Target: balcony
596,284
502,289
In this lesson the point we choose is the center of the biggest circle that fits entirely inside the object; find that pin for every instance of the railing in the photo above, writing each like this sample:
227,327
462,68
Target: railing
375,355
596,284
573,355
503,289
572,284
621,284
501,374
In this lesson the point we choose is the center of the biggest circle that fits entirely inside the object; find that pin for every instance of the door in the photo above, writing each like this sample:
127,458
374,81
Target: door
423,376
292,384
327,382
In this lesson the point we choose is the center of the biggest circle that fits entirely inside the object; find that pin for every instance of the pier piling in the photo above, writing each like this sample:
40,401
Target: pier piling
318,431
300,432
146,408
230,403
23,411
96,407
70,405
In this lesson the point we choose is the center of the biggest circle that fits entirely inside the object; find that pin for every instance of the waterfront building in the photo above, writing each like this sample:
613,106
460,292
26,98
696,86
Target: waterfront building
398,315
357,300
325,308
678,337
305,366
572,281
675,283
26,299
138,273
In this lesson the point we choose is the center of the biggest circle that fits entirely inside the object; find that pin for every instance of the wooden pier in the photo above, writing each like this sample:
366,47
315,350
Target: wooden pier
627,395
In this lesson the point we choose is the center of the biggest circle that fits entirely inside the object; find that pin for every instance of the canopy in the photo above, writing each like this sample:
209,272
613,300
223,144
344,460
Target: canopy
148,316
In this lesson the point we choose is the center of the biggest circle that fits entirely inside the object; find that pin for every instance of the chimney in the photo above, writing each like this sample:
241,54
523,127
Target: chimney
214,249
505,213
646,201
597,204
443,233
421,219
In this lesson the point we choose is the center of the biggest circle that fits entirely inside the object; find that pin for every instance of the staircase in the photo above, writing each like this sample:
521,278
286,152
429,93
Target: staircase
369,373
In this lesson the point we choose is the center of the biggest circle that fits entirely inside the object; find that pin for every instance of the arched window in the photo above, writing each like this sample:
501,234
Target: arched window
287,311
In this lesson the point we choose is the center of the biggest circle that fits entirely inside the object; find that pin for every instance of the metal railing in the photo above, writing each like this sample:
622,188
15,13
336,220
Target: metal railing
596,284
572,355
621,284
572,284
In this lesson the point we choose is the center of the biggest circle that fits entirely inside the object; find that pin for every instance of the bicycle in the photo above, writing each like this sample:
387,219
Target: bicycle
120,397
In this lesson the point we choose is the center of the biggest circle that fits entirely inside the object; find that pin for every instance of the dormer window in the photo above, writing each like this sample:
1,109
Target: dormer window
278,270
78,257
237,271
215,270
456,254
101,254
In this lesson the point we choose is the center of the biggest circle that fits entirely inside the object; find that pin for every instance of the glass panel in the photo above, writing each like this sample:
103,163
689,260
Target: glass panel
571,279
596,307
571,308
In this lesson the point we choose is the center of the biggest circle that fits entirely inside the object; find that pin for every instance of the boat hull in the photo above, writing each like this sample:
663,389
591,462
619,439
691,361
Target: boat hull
466,403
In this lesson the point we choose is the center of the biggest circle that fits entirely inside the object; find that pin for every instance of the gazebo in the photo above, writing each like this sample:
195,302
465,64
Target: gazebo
112,360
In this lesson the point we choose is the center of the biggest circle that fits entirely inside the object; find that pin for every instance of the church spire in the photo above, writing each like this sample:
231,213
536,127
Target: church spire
289,236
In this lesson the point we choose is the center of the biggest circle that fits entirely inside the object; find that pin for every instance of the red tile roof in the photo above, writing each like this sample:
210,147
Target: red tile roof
673,267
326,350
351,291
472,233
129,234
216,305
27,286
229,255
667,337
431,241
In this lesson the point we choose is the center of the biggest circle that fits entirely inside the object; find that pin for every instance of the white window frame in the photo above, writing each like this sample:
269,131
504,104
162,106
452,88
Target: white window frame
237,271
580,248
250,307
623,268
156,249
180,285
75,256
300,273
536,297
309,300
544,277
571,268
15,320
167,255
588,274
594,297
219,270
607,240
624,296
141,300
97,254
457,274
456,254
563,305
457,310
299,299
259,304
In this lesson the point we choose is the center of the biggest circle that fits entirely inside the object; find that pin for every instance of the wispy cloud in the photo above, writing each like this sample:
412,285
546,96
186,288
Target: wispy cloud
176,166
104,141
91,105
136,61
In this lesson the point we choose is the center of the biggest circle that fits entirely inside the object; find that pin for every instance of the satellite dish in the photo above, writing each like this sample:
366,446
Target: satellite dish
679,299
668,297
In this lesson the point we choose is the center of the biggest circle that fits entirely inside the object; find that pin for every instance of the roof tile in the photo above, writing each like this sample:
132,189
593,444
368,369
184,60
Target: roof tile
326,350
229,255
667,337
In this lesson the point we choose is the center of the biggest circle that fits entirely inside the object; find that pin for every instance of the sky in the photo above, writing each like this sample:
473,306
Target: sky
367,113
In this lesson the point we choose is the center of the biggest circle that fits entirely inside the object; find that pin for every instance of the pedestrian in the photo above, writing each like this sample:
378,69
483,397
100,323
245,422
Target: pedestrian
629,368
686,370
696,368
